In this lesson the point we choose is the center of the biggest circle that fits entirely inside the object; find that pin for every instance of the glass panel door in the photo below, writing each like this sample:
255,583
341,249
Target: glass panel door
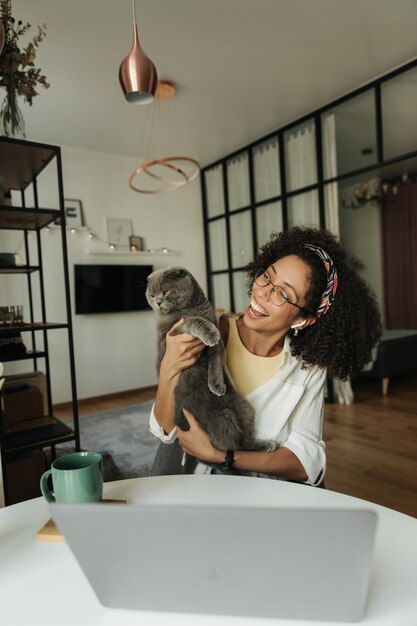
303,210
300,156
266,170
399,114
218,245
238,181
241,238
240,291
221,291
214,191
349,135
268,220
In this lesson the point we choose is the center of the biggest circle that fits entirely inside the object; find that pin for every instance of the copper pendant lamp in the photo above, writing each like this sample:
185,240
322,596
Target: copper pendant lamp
137,74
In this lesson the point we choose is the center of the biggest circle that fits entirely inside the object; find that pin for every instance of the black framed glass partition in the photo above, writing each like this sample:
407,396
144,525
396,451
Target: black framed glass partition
297,174
396,93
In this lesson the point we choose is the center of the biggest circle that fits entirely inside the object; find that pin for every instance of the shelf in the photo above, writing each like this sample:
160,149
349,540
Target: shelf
34,326
29,354
37,432
22,161
18,218
137,253
19,269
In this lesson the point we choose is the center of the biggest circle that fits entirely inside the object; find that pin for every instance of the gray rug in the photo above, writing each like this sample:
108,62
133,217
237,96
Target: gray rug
123,437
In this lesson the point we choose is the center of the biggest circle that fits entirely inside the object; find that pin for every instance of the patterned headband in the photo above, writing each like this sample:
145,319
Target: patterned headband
330,292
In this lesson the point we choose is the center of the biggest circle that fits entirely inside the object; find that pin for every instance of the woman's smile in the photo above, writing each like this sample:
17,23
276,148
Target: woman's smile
255,311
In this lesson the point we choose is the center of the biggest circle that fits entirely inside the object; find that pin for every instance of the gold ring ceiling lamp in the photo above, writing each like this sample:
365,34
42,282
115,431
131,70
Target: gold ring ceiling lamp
168,173
181,170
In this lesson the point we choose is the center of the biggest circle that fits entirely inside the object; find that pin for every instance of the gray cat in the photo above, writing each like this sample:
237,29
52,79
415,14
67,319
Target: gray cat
204,388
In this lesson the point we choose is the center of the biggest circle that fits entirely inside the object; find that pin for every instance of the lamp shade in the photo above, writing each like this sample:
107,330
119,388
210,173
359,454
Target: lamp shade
137,74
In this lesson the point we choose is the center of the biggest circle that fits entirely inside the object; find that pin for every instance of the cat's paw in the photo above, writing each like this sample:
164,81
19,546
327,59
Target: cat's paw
211,336
217,387
181,421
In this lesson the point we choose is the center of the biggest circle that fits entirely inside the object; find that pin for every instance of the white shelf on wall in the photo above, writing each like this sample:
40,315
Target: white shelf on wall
136,253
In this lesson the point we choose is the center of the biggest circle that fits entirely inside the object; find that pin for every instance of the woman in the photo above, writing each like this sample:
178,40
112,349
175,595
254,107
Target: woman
310,316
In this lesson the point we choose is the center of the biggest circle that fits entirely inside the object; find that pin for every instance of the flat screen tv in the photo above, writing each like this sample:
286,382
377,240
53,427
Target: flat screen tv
110,288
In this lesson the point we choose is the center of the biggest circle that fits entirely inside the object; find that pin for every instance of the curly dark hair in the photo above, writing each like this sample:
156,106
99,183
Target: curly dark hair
342,339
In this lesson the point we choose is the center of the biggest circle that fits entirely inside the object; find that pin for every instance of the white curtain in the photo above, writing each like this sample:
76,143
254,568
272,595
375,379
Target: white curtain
331,191
303,210
266,170
214,189
342,390
221,290
268,220
302,171
238,181
301,158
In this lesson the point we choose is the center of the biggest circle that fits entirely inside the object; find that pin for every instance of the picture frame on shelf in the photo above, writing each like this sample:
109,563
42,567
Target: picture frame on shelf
119,231
74,215
136,243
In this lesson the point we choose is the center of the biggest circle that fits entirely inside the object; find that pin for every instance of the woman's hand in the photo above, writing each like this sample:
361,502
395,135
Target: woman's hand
181,352
197,442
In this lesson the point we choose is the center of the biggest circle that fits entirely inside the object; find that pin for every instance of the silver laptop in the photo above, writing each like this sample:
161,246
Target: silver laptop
256,562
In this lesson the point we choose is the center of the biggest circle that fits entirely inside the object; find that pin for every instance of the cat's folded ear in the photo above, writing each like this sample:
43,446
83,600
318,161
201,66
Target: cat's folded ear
178,272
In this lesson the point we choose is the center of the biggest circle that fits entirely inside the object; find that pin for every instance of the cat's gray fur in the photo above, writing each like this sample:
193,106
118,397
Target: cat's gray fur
204,388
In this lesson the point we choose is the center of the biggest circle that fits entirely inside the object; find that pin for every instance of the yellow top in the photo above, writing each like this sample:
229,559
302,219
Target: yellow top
248,371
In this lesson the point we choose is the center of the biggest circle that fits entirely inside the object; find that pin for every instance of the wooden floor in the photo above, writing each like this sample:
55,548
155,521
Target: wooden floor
371,444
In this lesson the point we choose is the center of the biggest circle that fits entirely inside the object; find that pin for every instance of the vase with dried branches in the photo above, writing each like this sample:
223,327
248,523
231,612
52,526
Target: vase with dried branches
18,74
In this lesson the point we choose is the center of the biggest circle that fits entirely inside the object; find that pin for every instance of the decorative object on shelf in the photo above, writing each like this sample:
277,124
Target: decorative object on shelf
365,194
7,259
162,250
11,315
11,344
74,217
136,243
118,232
18,74
12,122
123,252
166,173
5,193
137,74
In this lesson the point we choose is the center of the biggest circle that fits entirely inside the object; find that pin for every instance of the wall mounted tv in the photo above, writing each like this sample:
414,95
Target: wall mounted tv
110,288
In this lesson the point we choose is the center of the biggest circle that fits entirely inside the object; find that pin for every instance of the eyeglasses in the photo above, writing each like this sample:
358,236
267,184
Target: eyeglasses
278,295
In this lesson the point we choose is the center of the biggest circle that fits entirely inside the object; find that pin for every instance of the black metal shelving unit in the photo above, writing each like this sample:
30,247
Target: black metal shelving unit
21,162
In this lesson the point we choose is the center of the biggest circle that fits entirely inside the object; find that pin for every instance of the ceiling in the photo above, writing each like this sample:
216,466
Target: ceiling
242,67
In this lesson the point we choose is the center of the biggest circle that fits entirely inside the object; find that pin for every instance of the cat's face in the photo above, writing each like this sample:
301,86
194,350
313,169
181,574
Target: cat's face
170,290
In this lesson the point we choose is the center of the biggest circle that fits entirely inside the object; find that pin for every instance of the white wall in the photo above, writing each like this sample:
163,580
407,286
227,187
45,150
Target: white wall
360,232
114,352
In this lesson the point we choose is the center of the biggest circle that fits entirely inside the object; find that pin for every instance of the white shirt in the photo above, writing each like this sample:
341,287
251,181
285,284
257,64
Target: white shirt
289,410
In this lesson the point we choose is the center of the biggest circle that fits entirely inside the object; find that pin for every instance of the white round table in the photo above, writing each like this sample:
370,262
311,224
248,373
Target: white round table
41,582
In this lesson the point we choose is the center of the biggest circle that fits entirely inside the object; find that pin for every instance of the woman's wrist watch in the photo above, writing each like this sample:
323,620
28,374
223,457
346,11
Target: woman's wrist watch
228,461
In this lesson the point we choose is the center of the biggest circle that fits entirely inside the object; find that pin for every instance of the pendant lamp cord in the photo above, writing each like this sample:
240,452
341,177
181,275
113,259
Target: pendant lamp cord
134,11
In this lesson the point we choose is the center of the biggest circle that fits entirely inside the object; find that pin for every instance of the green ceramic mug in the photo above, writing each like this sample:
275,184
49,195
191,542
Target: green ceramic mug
76,477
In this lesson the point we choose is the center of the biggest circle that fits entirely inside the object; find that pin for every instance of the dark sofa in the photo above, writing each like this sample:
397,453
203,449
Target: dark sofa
396,354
